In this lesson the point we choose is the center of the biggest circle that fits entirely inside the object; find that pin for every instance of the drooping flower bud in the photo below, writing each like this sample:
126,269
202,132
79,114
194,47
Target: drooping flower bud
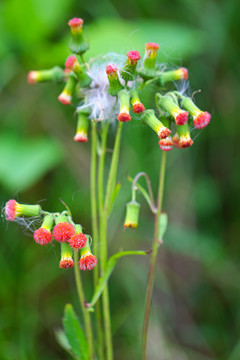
13,210
129,70
73,64
132,214
66,261
114,83
54,74
168,103
63,230
88,261
184,136
149,61
66,95
43,235
201,118
82,128
167,76
78,43
124,99
167,143
137,106
78,240
151,120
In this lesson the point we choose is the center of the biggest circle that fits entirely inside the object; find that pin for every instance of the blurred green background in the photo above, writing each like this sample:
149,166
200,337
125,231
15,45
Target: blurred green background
196,312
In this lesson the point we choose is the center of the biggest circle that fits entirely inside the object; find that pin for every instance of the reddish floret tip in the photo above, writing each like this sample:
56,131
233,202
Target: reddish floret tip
63,231
65,99
130,225
70,61
202,120
124,117
42,236
81,138
164,133
66,264
138,108
75,22
111,69
184,73
10,210
166,144
31,77
78,241
87,262
185,143
152,46
181,118
134,55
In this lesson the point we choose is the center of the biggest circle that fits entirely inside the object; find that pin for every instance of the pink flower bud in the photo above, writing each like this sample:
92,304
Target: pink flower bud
78,241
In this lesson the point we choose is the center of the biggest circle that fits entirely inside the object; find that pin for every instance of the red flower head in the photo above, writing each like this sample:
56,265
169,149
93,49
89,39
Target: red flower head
124,117
70,62
134,56
75,22
87,262
13,210
66,264
202,119
10,210
78,241
152,46
63,231
166,144
42,236
111,69
181,118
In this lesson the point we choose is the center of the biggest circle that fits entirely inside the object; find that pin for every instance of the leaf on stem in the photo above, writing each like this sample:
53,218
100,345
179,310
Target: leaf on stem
74,333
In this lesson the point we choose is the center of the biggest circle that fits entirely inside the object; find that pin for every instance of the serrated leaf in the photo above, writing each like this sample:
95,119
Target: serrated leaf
74,333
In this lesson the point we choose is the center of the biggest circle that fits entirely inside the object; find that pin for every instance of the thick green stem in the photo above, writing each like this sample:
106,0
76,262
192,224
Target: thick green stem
95,234
103,215
155,247
86,315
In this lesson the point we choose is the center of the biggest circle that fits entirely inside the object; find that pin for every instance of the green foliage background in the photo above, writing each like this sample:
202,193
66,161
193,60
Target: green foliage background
196,312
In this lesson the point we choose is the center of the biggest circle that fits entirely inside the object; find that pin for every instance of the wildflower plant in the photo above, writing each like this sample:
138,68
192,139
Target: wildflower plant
108,89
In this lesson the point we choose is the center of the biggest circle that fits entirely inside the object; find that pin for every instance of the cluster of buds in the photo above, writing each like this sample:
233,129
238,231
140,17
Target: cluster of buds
97,89
59,227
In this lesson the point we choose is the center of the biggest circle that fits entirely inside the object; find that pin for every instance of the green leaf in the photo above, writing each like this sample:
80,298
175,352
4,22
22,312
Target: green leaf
25,161
74,333
62,340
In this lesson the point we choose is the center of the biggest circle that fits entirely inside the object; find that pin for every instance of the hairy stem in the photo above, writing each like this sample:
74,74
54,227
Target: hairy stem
93,189
86,314
155,247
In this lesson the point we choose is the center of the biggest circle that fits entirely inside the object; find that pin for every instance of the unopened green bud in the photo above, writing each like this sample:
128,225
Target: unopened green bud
114,83
201,118
78,43
124,99
73,64
167,76
54,74
129,70
82,128
132,214
66,95
151,120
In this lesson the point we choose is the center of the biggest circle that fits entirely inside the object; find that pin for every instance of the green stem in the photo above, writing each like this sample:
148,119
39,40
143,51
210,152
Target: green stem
113,169
95,233
155,247
103,214
86,315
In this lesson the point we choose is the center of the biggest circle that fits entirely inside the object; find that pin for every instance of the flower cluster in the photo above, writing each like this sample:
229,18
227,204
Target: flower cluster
113,83
59,227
